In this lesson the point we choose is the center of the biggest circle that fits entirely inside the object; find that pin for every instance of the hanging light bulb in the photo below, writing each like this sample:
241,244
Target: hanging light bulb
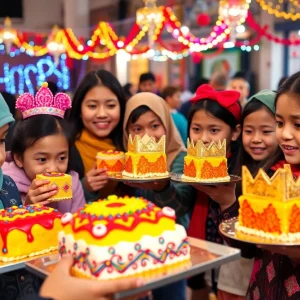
8,35
55,45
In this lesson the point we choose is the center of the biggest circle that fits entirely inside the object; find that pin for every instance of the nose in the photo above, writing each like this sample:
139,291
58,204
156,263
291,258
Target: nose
101,113
285,133
205,138
256,139
51,167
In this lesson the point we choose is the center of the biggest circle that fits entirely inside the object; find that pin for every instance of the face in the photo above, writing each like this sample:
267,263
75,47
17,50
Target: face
100,111
42,157
259,134
174,101
207,128
148,123
240,86
147,86
3,133
288,127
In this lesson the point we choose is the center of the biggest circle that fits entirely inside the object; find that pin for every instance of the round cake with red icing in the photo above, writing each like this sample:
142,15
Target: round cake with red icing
121,237
111,160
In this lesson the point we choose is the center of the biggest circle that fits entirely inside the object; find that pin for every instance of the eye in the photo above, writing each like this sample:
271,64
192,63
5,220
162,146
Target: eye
111,106
2,141
62,158
279,124
136,129
196,129
41,159
92,106
214,130
267,131
155,126
248,131
297,125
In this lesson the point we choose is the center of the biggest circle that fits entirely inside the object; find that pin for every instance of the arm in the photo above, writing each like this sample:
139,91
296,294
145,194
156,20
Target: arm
180,197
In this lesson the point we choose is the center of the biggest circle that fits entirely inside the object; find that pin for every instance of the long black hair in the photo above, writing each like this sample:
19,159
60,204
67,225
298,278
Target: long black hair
290,86
92,79
28,132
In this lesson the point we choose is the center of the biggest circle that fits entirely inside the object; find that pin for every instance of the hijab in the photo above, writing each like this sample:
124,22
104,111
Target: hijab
174,144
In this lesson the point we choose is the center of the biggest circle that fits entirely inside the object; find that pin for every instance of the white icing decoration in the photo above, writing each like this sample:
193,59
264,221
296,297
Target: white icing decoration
67,217
99,230
168,211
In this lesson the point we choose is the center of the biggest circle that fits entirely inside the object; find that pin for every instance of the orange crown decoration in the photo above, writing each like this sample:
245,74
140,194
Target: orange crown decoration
281,187
146,144
212,150
43,103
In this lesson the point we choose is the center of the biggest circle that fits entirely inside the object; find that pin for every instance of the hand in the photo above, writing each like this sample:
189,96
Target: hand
40,191
60,285
153,185
223,194
291,251
95,179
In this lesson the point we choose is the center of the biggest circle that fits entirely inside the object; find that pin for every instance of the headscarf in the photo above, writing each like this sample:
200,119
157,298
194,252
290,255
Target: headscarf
174,144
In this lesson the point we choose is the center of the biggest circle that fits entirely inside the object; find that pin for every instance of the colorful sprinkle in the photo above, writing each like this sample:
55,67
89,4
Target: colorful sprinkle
111,250
161,240
137,247
4,250
87,251
75,246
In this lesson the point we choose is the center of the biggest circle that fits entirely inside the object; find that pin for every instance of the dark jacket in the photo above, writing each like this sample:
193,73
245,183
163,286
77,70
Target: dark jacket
16,284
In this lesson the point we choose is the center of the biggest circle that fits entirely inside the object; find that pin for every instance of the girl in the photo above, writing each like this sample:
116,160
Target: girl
41,144
147,113
97,115
214,116
276,272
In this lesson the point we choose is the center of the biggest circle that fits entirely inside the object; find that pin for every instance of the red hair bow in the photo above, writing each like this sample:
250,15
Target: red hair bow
227,99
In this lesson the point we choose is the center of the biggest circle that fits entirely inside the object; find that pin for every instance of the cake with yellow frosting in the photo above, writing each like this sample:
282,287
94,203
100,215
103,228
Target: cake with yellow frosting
111,160
121,237
269,207
28,231
206,163
63,183
146,157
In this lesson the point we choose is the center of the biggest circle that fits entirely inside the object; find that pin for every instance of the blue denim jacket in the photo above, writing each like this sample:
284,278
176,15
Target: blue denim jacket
16,284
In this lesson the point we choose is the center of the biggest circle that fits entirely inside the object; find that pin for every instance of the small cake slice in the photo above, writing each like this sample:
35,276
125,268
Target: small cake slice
28,231
63,183
112,160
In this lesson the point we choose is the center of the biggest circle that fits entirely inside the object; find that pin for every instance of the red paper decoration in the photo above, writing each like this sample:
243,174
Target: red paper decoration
203,19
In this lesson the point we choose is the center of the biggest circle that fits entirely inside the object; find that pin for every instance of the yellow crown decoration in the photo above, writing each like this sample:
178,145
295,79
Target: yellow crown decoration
146,144
281,187
212,150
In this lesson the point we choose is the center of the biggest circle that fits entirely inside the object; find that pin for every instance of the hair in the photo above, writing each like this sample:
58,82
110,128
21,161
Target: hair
126,89
136,113
10,100
240,78
147,76
169,91
291,86
281,81
91,80
52,86
28,132
219,79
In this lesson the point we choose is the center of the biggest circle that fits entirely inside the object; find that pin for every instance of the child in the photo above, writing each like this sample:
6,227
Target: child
97,115
147,83
41,144
171,95
147,113
241,85
215,115
276,272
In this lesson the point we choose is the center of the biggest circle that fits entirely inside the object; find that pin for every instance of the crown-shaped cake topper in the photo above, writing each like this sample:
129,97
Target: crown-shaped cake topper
281,187
43,103
212,150
146,144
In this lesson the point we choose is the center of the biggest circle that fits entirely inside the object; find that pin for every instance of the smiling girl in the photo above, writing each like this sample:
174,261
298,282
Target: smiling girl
97,115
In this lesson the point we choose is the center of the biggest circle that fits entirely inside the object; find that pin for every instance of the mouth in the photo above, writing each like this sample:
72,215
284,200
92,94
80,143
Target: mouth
289,150
257,150
102,124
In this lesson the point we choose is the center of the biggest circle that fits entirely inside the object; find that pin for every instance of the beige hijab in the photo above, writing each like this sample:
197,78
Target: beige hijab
174,144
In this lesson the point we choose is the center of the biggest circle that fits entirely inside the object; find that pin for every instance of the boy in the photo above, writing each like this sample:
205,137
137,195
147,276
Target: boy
241,85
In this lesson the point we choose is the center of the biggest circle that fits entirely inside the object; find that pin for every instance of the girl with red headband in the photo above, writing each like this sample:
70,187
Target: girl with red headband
214,116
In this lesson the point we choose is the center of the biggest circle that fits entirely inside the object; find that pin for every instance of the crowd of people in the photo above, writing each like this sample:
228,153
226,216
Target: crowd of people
261,131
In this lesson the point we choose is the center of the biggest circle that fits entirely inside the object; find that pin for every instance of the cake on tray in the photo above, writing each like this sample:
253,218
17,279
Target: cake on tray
206,163
121,237
269,207
145,157
63,183
28,231
111,160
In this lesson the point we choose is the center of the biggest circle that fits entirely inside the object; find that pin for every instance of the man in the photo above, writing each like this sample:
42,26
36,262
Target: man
241,85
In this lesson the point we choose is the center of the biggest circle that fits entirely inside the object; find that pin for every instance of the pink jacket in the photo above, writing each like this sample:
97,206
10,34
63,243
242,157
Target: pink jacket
23,183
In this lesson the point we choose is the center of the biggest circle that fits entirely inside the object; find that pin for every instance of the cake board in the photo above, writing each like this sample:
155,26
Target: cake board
227,228
204,256
121,178
178,178
20,264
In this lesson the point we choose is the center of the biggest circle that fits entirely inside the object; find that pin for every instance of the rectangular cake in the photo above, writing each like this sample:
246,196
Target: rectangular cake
63,183
206,163
145,157
28,231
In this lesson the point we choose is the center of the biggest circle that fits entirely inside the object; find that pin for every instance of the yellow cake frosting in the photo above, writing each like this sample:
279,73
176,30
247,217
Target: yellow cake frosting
145,157
120,237
28,231
111,160
63,183
270,207
206,163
